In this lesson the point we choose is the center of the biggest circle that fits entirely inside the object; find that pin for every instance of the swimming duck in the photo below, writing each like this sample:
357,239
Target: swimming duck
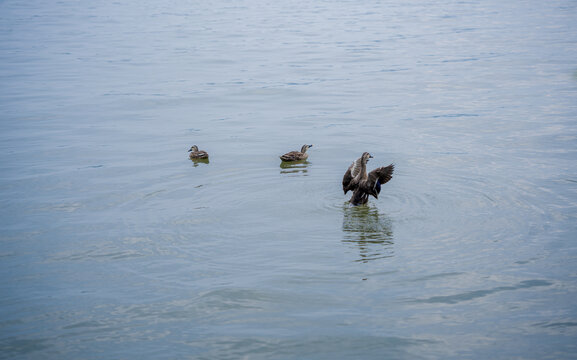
197,154
363,185
296,155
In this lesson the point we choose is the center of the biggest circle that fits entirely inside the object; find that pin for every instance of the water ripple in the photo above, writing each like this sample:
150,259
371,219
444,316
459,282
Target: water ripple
476,294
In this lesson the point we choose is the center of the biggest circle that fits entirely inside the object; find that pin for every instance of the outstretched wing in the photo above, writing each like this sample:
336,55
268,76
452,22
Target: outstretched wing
356,167
352,172
348,178
378,177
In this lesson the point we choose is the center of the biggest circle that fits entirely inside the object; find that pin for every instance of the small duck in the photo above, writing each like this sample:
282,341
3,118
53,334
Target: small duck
197,154
363,185
296,155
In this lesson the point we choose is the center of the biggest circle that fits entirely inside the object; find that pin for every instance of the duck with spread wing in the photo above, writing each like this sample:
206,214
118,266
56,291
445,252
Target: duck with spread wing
362,184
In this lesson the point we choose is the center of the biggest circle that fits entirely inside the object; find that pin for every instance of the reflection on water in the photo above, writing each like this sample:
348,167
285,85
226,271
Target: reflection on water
294,167
370,231
195,162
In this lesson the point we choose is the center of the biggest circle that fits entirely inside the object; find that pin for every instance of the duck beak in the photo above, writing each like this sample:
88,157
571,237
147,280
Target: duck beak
311,145
370,156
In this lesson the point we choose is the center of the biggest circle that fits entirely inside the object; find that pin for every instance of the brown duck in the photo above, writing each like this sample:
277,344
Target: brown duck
296,155
195,154
363,185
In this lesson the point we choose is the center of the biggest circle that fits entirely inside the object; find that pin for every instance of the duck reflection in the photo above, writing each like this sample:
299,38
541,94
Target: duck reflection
294,167
195,162
370,231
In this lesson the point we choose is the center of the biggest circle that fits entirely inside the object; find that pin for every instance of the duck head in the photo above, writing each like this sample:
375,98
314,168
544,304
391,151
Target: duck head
366,156
193,148
305,148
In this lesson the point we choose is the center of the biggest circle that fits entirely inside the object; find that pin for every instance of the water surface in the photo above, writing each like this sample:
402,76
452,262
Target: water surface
114,245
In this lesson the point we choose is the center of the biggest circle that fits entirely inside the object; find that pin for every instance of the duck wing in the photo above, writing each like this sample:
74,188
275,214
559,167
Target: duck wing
292,156
348,178
201,154
378,177
352,173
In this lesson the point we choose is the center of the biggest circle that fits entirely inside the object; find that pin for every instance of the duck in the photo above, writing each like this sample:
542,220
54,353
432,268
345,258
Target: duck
195,154
296,155
362,184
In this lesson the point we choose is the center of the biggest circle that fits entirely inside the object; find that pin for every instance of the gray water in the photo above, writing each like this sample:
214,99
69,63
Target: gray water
114,245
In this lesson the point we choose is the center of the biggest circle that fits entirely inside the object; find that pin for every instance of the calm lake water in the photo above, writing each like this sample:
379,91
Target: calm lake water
114,245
